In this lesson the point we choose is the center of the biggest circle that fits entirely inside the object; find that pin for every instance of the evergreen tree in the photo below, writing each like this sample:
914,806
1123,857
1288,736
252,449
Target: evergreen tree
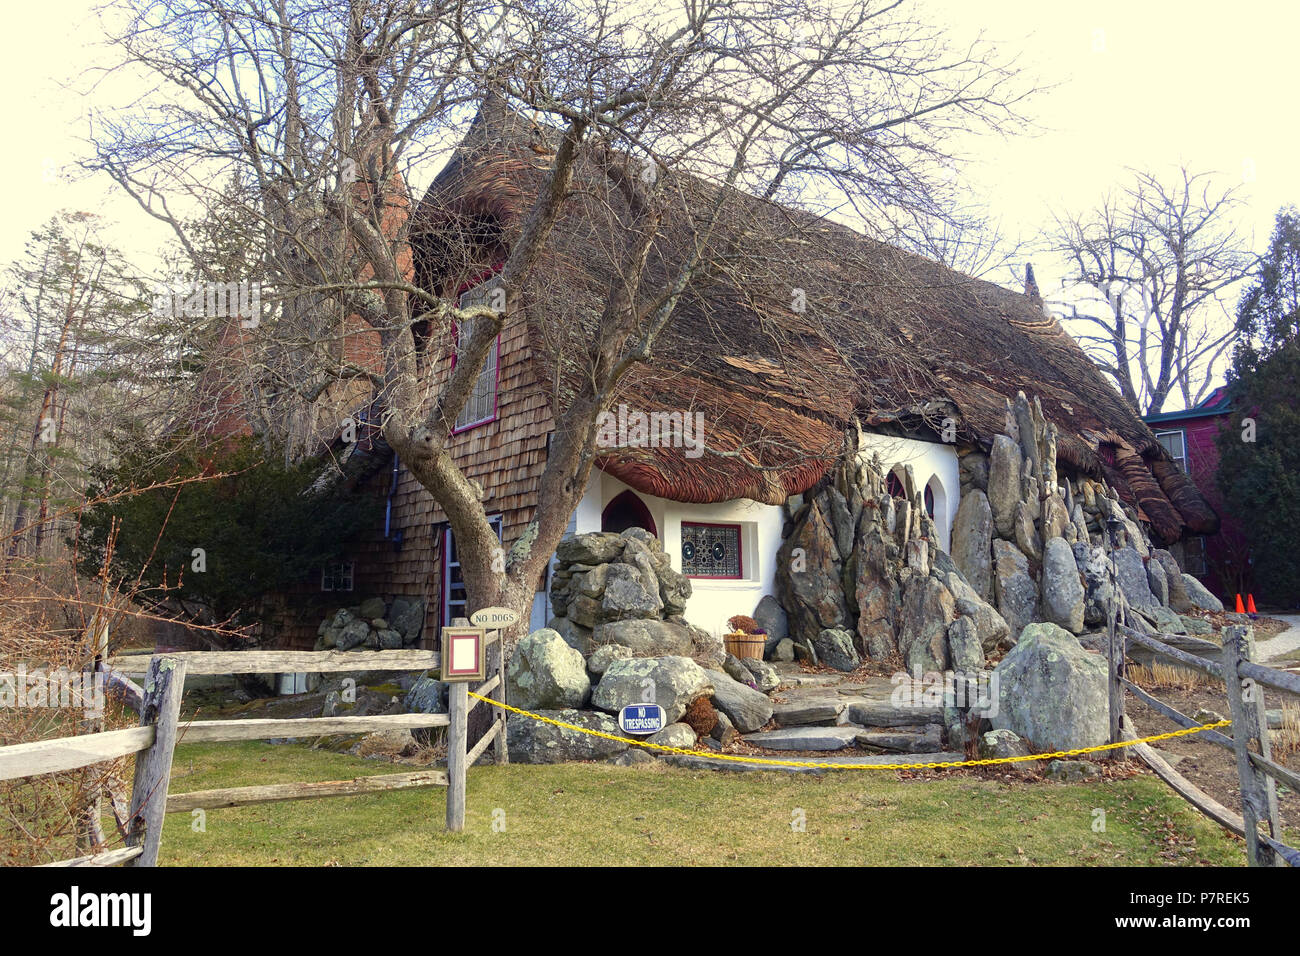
1259,454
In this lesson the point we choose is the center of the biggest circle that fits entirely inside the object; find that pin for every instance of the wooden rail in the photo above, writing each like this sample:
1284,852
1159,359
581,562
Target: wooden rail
1256,769
158,703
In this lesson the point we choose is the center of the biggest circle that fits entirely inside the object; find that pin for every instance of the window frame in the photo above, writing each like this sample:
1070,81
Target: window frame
740,550
1180,460
444,592
1204,565
326,574
483,281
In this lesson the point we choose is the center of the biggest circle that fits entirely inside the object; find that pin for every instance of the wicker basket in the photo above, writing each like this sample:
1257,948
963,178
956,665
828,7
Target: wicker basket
744,645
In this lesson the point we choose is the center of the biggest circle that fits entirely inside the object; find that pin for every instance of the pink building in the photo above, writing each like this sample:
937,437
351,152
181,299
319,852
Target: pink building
1221,561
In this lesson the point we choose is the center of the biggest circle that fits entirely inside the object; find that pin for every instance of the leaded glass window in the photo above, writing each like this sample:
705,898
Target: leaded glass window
711,550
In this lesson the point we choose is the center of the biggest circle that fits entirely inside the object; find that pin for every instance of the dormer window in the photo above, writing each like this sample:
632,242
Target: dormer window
481,407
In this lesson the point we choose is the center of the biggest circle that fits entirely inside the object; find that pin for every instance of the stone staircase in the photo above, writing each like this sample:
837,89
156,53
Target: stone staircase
819,713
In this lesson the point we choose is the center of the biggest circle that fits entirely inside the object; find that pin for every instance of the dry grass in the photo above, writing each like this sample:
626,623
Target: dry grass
1169,676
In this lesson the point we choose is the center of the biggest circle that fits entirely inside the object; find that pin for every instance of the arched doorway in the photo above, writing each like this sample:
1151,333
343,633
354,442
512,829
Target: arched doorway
940,509
625,511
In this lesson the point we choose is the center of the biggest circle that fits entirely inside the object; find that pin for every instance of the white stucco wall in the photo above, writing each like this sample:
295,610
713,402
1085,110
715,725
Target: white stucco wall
934,464
712,601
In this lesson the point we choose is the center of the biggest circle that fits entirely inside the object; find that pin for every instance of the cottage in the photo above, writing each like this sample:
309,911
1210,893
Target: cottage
755,393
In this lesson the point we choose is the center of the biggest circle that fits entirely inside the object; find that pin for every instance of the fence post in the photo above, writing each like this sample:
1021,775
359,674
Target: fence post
457,746
500,748
163,687
457,743
1246,699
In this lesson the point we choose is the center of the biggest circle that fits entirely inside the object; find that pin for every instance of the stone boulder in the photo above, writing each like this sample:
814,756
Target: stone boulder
1001,743
1131,573
990,626
762,674
426,696
1017,595
545,673
972,542
1004,483
771,617
1198,595
574,634
927,610
1063,590
748,708
674,735
531,741
1177,596
966,655
1051,691
671,682
834,647
605,655
647,637
811,590
628,594
597,547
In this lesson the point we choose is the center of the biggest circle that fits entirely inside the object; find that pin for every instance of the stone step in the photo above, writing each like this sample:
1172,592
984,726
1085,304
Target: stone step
805,738
930,740
868,712
712,763
801,713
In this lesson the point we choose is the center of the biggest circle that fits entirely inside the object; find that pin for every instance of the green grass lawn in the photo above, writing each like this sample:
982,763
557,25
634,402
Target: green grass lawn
593,815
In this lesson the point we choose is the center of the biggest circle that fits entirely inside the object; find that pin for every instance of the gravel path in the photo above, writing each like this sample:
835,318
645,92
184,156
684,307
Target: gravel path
1284,643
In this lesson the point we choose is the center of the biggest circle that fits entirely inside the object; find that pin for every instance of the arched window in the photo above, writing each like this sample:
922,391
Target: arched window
625,511
894,485
929,501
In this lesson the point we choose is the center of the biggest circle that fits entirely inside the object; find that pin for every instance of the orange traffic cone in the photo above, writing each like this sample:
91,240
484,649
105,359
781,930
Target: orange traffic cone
1250,604
1240,608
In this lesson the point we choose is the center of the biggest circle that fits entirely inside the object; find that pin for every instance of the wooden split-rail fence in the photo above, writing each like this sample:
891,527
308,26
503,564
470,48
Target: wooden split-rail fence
158,703
1244,680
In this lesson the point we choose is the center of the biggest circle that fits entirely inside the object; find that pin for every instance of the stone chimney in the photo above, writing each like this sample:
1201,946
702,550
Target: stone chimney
1031,286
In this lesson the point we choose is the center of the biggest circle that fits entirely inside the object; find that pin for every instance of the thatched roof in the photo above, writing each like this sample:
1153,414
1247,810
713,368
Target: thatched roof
890,337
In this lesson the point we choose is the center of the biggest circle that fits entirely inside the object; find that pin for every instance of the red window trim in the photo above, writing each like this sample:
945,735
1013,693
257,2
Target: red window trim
455,333
740,556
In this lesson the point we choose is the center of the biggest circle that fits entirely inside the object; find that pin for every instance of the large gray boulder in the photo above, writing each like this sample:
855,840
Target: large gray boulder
1158,582
1051,691
647,637
545,673
1178,599
927,610
966,655
1004,483
1199,595
407,615
597,547
1063,591
990,626
605,655
771,617
1131,573
972,541
531,741
630,592
671,682
1017,595
574,634
834,647
811,589
748,708
426,696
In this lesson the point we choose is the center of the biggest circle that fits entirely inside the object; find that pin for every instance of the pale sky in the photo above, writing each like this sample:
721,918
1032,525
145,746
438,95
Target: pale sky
1144,83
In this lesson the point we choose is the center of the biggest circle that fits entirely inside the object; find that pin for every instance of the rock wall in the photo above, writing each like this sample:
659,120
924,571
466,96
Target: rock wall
858,577
373,625
621,589
859,574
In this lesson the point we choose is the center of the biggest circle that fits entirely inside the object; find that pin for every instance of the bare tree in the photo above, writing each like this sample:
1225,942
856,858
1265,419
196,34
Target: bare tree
1152,270
658,134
